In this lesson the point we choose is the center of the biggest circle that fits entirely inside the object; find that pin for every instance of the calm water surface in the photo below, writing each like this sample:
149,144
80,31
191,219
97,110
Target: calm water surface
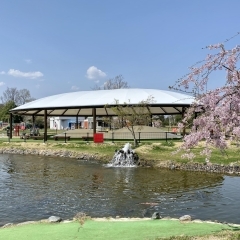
36,187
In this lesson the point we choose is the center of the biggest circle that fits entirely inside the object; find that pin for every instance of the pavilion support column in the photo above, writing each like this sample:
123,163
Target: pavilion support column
94,120
77,122
11,125
33,120
45,125
111,122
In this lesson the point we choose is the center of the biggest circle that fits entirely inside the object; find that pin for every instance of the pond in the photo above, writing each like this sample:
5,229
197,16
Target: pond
36,187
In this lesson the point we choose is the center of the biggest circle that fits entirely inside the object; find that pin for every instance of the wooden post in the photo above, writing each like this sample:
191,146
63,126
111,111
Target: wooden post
77,122
11,127
33,120
45,125
184,129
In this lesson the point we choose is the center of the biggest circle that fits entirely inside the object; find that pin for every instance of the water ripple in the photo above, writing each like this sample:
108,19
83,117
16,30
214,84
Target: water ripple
35,187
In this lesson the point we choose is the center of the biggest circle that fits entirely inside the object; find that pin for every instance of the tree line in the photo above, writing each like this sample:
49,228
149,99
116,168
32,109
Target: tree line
13,97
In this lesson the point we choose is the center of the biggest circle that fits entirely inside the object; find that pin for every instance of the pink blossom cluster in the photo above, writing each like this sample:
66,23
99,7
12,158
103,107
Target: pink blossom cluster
215,116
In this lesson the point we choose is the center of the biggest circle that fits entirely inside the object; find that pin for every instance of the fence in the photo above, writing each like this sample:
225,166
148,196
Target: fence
115,136
107,136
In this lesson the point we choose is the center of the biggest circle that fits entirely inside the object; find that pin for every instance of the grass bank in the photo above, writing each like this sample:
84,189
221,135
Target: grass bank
119,230
153,152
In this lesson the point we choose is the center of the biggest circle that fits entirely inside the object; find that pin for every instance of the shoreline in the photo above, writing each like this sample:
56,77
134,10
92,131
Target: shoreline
122,228
48,151
118,219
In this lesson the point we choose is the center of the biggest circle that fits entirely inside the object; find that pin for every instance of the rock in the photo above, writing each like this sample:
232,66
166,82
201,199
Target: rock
7,225
156,215
172,167
54,219
25,223
185,218
198,221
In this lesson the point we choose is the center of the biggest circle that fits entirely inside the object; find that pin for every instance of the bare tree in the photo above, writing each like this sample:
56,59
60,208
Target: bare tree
24,96
133,117
19,97
113,83
10,95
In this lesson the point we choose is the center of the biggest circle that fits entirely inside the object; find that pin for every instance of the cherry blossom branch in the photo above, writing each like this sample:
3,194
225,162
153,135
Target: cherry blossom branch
219,109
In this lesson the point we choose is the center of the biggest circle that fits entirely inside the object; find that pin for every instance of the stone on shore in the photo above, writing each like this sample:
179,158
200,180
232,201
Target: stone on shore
156,215
54,219
185,218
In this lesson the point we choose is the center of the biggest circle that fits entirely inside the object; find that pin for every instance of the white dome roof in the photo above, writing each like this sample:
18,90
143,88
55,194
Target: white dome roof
81,103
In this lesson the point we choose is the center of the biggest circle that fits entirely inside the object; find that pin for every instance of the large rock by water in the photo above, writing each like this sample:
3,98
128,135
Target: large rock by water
185,218
156,215
54,219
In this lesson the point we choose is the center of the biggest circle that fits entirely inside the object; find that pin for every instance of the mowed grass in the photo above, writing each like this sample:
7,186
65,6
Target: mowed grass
165,151
108,230
155,151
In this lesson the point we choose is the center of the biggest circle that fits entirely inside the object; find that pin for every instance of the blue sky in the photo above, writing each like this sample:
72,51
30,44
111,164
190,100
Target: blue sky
56,46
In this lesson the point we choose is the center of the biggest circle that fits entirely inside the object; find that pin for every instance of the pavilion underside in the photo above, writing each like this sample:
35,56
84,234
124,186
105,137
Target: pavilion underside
100,110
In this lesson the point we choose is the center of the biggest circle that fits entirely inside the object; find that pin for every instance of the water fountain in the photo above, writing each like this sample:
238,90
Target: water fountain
125,157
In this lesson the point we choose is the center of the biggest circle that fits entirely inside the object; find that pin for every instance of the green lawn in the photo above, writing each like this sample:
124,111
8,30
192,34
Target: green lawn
109,230
155,151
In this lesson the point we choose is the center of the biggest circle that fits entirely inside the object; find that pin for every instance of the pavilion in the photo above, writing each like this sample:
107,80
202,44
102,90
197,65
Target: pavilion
99,103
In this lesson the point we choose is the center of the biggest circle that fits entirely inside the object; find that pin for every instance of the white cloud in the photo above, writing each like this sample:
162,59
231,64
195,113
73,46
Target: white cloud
2,72
31,75
94,73
2,83
74,88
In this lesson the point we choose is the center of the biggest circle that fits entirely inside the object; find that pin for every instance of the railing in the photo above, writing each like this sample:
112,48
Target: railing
114,136
107,136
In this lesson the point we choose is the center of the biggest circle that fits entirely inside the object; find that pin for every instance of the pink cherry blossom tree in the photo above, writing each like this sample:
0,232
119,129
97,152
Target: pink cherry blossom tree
216,112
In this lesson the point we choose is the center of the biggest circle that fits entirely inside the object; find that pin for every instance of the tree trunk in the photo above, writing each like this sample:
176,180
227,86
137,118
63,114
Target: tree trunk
134,139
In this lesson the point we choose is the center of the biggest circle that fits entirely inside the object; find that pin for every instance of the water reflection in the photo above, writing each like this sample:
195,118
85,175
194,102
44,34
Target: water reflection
34,187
